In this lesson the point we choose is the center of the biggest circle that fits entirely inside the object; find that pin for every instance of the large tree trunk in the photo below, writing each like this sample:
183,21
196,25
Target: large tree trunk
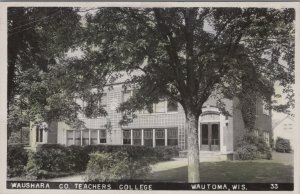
193,149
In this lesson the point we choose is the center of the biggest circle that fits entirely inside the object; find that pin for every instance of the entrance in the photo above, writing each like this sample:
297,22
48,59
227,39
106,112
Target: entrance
210,136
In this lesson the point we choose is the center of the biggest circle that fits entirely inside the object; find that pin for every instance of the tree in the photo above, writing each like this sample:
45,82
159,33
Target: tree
188,54
37,38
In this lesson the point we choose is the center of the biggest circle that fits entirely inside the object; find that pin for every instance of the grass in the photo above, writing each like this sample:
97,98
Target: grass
277,170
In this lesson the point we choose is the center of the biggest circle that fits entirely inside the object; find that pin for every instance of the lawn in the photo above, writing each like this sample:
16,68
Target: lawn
277,170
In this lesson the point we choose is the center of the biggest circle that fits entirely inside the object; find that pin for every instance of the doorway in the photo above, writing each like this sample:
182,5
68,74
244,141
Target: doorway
210,136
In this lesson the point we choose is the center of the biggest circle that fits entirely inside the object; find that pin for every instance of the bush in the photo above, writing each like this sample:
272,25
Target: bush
251,147
283,145
50,160
104,166
166,153
247,152
17,158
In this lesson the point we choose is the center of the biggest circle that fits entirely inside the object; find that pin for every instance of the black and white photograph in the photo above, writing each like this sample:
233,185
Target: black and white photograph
162,97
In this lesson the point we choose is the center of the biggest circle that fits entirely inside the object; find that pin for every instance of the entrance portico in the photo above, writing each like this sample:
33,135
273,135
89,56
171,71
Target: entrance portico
210,131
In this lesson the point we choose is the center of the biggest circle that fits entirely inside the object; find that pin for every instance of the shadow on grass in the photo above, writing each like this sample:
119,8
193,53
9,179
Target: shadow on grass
248,172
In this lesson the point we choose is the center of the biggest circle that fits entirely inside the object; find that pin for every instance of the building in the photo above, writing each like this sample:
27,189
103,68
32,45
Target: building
284,128
218,134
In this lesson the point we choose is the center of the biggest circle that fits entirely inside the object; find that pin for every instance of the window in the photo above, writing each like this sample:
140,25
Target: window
256,132
172,106
126,137
104,100
159,137
267,137
126,95
159,107
94,137
265,110
39,134
70,137
215,134
204,134
137,137
77,137
148,137
86,137
172,135
102,136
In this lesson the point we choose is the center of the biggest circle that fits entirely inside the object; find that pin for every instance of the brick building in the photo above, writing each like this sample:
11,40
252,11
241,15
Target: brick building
218,134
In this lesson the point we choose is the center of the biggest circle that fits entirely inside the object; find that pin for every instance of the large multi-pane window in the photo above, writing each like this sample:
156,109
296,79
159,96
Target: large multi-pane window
86,137
148,137
102,136
94,137
126,137
70,137
162,137
77,137
159,137
172,135
137,137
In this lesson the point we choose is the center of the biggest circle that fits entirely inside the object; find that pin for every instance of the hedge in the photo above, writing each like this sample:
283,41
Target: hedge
55,160
283,145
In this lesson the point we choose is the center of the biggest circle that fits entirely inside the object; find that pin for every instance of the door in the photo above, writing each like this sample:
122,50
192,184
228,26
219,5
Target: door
210,137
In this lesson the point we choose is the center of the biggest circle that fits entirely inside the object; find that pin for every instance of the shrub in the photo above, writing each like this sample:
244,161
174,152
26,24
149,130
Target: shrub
166,153
17,158
247,152
251,147
104,166
48,160
283,145
77,158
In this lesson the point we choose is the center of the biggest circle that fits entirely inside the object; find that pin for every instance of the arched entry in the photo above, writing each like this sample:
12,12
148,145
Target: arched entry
209,130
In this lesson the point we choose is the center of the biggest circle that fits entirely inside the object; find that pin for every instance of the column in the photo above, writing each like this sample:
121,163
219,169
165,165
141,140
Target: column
199,131
81,137
166,137
153,137
142,136
89,137
131,137
73,137
222,136
98,136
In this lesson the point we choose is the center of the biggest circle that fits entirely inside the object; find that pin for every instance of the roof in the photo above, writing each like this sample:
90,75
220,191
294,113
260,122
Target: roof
277,122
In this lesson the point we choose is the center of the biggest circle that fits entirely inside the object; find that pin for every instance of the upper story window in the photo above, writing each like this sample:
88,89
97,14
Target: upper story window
265,110
160,107
104,100
165,106
126,95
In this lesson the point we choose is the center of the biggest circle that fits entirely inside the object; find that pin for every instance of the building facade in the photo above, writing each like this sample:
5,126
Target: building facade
284,128
166,126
